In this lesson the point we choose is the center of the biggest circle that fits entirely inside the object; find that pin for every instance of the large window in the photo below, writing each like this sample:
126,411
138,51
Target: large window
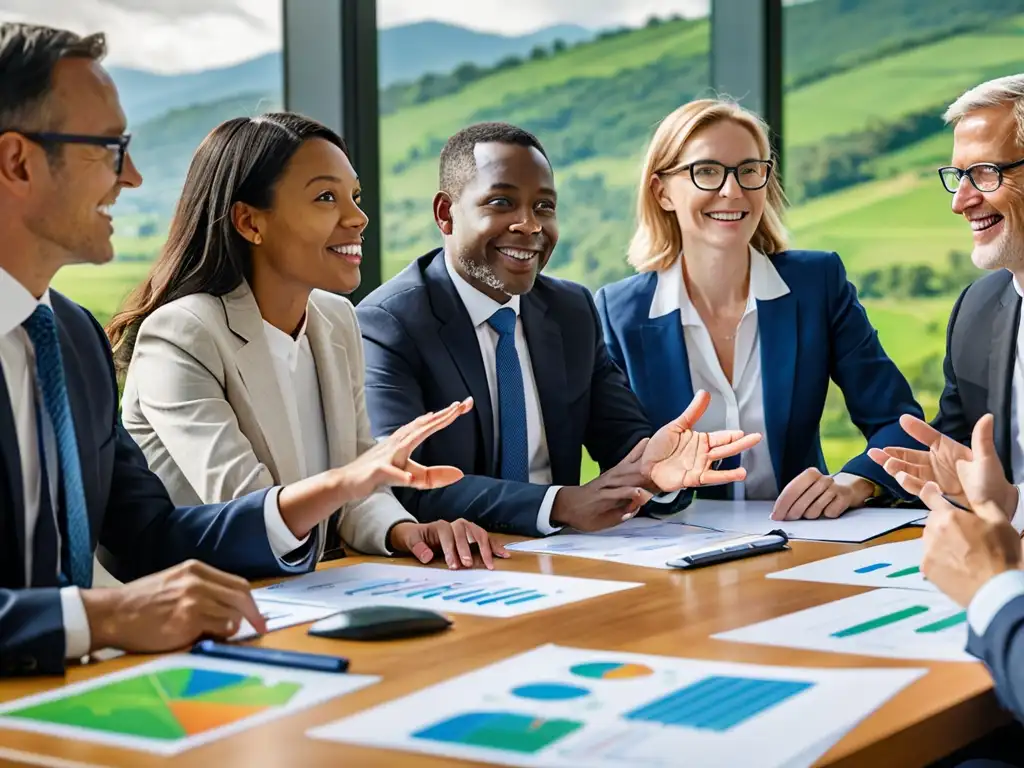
866,83
590,83
181,68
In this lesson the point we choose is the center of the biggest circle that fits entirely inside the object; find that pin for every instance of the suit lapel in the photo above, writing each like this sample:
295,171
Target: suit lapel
778,331
544,340
334,374
665,360
256,367
11,457
1002,352
459,338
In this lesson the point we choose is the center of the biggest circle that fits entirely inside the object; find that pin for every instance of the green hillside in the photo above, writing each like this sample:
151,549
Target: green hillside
866,83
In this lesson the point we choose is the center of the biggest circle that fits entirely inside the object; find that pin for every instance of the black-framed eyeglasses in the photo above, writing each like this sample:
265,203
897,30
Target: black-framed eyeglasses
118,145
986,177
710,175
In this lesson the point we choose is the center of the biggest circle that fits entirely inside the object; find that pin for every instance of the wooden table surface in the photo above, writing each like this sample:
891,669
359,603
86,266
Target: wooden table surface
673,615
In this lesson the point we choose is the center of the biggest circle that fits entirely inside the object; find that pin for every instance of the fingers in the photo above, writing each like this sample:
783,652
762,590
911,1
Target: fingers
446,539
822,486
719,476
474,533
836,507
895,466
694,410
910,484
982,439
793,491
218,620
238,601
920,430
638,451
421,551
462,541
426,425
728,443
625,502
907,455
425,478
931,495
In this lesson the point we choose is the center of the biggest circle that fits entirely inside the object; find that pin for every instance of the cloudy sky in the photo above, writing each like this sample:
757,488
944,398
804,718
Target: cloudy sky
185,35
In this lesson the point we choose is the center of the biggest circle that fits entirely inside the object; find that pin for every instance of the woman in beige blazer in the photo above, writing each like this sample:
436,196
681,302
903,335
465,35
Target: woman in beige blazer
244,368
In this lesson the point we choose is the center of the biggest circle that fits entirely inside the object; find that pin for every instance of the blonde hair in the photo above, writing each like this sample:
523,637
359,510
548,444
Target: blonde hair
657,241
1002,90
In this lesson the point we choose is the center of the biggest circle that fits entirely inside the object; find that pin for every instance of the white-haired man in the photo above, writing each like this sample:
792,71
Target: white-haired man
975,556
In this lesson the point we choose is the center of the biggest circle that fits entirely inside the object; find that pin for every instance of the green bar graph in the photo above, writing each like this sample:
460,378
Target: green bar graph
881,621
905,572
946,623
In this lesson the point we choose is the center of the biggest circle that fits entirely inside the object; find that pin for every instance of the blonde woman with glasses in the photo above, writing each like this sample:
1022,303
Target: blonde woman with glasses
721,304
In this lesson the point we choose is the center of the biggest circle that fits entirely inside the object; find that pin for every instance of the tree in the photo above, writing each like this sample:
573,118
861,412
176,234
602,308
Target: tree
558,46
539,52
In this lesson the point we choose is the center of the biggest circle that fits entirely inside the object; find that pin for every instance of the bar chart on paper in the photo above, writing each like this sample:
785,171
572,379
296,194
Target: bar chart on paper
554,706
484,593
893,623
895,566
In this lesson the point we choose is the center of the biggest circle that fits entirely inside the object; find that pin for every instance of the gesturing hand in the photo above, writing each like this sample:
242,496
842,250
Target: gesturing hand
937,464
388,462
811,495
455,540
607,500
170,609
678,457
963,550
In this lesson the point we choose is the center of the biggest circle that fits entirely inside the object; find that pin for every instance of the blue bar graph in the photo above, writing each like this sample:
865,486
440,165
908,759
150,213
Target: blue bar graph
718,703
872,567
483,592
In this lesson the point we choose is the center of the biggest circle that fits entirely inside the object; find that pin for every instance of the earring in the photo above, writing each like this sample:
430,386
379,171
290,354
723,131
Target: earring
258,240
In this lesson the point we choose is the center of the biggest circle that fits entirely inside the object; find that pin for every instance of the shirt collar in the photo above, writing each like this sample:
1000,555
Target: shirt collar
479,305
284,347
1016,287
16,303
670,293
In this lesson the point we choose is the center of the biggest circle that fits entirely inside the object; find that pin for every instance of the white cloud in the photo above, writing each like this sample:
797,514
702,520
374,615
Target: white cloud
164,35
187,35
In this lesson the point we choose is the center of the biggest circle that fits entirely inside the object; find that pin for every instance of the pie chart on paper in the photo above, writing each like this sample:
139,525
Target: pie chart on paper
611,670
166,706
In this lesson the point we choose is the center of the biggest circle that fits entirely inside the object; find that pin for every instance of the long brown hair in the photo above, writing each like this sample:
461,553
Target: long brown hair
240,161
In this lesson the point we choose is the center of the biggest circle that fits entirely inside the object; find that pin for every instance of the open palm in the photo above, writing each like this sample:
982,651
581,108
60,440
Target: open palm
938,464
389,462
982,478
678,457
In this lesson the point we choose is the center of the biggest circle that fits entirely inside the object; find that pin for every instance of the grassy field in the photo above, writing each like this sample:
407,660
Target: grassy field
100,289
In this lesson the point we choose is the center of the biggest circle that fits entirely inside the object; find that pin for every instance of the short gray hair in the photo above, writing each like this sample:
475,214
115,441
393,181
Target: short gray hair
1002,90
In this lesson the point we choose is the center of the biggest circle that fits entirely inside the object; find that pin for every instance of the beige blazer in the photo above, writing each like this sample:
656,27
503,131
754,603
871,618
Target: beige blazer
202,401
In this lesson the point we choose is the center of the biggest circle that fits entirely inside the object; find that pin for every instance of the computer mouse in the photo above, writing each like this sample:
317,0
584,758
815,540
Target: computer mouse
383,622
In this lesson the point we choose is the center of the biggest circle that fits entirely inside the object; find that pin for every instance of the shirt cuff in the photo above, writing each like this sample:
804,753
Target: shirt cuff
992,597
1017,521
544,513
282,542
77,637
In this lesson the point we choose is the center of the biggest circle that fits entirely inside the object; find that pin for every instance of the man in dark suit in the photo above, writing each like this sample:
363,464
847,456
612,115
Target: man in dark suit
477,318
70,477
977,558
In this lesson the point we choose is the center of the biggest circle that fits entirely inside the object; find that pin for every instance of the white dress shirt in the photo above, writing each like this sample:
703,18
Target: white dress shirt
736,404
17,357
999,591
480,307
295,368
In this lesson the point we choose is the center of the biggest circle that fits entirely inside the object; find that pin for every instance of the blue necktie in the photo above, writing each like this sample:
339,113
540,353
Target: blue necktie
515,463
42,331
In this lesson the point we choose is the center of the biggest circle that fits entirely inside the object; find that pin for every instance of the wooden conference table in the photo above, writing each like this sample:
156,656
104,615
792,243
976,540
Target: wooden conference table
674,615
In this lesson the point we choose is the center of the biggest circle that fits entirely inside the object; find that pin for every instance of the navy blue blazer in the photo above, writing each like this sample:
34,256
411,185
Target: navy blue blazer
422,354
815,332
130,514
1002,650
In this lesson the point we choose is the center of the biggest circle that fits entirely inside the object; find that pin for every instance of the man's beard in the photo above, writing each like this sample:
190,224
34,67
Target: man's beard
483,273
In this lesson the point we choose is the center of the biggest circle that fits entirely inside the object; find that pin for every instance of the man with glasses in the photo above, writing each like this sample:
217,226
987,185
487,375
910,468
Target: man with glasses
71,479
977,558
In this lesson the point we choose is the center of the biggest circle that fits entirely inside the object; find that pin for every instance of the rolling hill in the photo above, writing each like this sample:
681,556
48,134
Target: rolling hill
866,82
